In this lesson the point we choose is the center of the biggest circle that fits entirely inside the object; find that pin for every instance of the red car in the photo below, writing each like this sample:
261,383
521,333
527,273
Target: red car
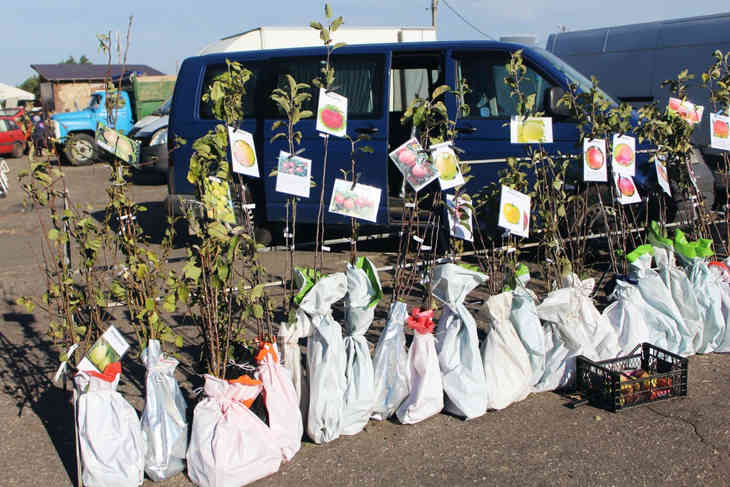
12,138
21,119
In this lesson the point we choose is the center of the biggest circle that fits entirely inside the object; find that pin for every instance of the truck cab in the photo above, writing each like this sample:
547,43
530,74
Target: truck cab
75,130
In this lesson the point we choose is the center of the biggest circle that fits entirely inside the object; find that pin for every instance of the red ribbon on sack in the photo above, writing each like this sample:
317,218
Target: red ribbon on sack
110,373
266,349
420,321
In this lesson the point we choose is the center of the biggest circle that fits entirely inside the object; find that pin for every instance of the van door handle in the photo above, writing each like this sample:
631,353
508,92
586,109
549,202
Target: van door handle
466,130
367,130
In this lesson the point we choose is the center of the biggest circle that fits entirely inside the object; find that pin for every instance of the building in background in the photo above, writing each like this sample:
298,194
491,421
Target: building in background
68,87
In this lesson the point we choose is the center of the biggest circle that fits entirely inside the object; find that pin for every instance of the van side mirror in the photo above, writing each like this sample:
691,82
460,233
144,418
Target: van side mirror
554,96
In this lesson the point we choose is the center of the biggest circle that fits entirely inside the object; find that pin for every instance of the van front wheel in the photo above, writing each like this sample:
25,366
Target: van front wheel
80,149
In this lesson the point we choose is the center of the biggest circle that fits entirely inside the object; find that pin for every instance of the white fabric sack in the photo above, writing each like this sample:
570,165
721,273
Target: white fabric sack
229,446
684,296
457,342
363,294
557,355
282,403
326,360
110,435
506,362
528,327
289,336
426,397
392,372
603,337
627,316
659,298
566,336
709,298
163,419
724,282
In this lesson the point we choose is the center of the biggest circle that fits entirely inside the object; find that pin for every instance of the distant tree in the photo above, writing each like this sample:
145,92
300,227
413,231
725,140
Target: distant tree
71,60
32,85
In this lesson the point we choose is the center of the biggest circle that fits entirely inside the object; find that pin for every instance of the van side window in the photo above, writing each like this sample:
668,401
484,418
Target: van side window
249,101
358,78
490,96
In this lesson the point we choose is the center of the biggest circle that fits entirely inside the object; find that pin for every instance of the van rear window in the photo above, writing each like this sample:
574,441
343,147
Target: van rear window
357,77
250,104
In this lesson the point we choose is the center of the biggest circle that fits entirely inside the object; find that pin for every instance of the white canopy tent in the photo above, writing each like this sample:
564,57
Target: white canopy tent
11,95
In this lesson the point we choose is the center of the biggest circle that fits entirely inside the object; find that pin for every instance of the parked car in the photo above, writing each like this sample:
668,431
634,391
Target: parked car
21,118
379,80
151,131
12,137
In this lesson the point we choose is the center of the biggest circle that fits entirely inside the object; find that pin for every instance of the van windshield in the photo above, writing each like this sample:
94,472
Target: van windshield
573,75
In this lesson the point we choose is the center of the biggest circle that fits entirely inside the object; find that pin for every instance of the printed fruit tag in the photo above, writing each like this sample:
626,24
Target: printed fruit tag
719,131
332,113
360,201
447,164
531,130
594,160
293,175
459,214
243,152
627,192
514,212
686,110
623,159
109,348
661,174
412,161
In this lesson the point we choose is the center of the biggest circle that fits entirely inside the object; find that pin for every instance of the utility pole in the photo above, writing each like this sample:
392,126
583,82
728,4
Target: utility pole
434,12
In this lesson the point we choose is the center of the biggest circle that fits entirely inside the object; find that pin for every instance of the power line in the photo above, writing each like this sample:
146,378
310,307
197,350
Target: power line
467,22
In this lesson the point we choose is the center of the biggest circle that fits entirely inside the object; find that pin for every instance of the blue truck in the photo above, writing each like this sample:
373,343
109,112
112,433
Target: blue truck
140,97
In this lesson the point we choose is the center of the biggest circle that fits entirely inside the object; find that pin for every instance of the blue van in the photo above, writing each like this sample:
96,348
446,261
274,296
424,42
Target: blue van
379,80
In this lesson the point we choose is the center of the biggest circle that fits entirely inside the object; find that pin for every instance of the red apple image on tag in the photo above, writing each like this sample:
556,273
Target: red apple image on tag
595,158
407,157
626,186
419,171
720,129
525,221
623,155
332,117
674,104
662,172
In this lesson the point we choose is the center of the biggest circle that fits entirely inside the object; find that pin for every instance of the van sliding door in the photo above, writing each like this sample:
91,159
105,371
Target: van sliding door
362,79
484,133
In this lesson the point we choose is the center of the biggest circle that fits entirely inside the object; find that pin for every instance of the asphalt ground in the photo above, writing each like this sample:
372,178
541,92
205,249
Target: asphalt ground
538,441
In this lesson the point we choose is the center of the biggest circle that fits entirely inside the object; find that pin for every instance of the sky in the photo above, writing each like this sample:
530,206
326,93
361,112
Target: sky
165,32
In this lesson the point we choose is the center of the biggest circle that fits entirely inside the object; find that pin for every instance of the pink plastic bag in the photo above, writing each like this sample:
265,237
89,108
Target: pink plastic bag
230,446
282,403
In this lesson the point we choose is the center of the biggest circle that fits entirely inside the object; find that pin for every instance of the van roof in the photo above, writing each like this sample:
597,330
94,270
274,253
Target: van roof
365,48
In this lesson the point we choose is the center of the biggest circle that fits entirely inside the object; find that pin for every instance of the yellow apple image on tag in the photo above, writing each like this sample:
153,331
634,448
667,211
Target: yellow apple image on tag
447,165
511,213
243,153
531,130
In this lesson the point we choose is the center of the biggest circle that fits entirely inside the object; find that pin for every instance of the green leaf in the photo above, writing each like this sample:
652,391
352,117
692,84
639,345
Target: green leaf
191,271
258,291
258,311
179,341
327,11
168,304
53,234
315,25
439,91
336,24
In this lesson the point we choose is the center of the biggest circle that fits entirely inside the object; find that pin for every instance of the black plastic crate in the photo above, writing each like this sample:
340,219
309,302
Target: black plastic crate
608,385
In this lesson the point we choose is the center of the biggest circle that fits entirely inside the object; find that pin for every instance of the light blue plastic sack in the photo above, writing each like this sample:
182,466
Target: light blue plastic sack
457,342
